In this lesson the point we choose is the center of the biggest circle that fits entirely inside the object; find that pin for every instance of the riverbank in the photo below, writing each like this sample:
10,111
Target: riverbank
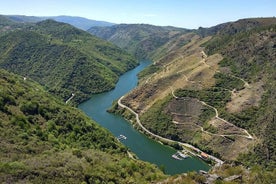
189,148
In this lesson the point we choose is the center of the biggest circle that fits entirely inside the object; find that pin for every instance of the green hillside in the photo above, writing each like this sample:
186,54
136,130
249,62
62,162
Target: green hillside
64,59
221,100
45,141
141,40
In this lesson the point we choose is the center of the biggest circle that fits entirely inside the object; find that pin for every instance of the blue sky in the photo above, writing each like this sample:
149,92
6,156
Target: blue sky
180,13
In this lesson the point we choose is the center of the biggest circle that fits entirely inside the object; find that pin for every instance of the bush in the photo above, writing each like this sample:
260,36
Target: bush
30,108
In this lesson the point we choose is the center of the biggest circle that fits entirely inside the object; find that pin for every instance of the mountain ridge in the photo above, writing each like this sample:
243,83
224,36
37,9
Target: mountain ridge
140,40
79,22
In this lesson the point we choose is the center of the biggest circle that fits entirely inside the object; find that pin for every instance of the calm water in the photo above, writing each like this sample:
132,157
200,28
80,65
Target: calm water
146,149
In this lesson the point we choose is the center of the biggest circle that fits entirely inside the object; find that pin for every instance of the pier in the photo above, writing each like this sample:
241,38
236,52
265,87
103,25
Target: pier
180,156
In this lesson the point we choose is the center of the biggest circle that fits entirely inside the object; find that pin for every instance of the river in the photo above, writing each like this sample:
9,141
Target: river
145,148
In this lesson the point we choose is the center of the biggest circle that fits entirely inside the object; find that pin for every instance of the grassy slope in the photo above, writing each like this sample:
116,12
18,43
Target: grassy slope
43,140
64,59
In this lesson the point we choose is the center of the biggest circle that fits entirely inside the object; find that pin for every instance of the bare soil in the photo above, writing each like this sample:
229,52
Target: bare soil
248,97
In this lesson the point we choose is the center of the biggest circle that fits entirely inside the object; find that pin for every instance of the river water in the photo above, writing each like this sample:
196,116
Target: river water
145,148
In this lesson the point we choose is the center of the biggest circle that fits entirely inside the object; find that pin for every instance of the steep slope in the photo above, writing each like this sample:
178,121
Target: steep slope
221,101
252,55
64,59
45,141
79,22
140,40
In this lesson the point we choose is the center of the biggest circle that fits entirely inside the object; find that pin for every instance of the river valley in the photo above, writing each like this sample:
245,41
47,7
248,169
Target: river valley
145,148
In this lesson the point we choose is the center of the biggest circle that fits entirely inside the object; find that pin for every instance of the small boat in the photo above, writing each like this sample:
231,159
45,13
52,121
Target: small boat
120,137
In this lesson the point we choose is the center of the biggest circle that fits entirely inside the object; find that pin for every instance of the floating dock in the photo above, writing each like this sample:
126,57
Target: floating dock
180,156
176,157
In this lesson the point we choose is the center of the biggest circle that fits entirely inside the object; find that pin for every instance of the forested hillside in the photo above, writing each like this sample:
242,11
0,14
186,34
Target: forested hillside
64,59
45,141
141,40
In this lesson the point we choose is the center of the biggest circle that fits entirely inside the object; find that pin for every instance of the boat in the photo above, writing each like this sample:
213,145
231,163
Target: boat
120,137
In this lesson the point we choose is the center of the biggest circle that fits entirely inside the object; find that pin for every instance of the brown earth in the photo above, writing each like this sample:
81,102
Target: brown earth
189,68
248,97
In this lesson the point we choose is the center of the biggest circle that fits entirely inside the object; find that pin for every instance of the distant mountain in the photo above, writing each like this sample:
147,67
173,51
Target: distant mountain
24,18
64,59
141,40
79,22
5,21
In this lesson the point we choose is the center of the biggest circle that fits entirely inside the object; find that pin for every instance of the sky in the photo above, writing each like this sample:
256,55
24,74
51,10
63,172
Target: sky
180,13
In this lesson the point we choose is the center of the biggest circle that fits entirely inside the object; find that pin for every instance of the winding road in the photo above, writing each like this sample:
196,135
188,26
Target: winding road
217,117
217,160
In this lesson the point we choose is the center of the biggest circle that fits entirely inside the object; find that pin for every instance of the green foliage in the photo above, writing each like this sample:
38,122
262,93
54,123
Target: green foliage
45,141
210,128
64,59
158,122
215,97
206,114
30,108
228,82
148,71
